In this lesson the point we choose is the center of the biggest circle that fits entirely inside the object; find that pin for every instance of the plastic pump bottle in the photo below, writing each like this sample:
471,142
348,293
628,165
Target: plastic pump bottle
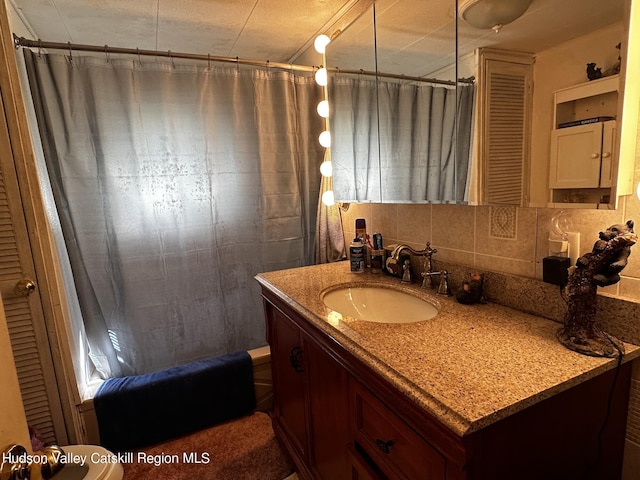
356,255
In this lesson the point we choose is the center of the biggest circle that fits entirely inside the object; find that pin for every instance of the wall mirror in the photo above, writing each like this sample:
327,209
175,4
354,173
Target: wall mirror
384,160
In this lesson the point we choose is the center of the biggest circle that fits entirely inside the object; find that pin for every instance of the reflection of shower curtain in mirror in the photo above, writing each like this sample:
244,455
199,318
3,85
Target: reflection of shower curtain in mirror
175,185
418,161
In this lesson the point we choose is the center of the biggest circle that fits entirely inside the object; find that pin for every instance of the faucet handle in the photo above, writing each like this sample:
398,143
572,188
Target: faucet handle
443,288
426,279
429,250
407,277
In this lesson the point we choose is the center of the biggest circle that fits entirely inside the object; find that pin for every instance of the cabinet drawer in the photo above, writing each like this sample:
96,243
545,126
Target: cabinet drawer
360,469
396,448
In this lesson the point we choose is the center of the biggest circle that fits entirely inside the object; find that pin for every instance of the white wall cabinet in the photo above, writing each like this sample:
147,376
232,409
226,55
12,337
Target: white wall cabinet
583,143
581,156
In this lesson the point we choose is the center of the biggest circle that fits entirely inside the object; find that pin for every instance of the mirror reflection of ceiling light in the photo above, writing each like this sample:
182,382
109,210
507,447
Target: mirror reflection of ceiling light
493,14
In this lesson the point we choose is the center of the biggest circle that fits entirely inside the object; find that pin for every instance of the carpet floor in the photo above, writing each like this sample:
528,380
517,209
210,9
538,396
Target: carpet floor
243,449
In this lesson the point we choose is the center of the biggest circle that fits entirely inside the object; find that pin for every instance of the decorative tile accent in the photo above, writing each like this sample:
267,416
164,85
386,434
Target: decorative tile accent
503,222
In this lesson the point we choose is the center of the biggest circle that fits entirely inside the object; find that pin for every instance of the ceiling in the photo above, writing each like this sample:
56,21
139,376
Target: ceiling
283,30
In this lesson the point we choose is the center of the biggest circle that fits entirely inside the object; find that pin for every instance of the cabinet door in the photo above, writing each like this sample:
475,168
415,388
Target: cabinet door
328,404
288,366
504,109
575,157
310,399
609,152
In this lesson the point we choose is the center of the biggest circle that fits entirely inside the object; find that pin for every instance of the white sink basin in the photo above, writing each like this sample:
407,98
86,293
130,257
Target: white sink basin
378,304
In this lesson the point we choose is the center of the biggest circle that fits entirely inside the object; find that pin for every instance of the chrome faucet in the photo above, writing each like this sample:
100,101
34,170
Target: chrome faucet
403,270
427,269
428,273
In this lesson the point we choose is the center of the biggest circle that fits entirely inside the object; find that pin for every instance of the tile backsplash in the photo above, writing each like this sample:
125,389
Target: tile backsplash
499,239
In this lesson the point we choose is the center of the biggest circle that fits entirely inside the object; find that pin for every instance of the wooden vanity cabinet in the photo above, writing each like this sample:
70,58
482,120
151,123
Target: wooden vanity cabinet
289,380
338,419
310,403
330,423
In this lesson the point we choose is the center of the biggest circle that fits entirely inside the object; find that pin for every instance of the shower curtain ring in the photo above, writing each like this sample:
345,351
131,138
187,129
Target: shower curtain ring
70,54
139,58
39,48
106,53
238,64
208,61
173,65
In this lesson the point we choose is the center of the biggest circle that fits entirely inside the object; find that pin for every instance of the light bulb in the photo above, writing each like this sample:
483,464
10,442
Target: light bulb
321,77
323,108
328,199
638,191
326,168
325,139
321,42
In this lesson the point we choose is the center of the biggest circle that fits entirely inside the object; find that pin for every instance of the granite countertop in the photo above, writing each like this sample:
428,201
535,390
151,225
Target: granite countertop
469,366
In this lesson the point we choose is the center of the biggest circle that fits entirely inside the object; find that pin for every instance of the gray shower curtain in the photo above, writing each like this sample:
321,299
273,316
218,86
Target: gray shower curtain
396,142
175,185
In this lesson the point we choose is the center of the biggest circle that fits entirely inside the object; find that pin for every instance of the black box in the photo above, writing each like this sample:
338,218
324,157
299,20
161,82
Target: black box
555,270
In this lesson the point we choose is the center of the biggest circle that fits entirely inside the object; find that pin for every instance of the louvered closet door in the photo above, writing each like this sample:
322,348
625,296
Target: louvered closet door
506,111
25,319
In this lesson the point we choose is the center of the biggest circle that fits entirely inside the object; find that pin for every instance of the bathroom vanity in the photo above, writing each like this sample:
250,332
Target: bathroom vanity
476,392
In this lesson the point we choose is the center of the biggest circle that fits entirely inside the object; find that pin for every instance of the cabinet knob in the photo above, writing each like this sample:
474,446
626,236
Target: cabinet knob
606,154
384,445
595,155
295,357
24,287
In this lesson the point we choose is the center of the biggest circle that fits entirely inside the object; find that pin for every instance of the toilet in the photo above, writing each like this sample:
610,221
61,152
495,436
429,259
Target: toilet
100,464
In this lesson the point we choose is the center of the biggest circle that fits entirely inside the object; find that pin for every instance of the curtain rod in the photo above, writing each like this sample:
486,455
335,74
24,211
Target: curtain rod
25,42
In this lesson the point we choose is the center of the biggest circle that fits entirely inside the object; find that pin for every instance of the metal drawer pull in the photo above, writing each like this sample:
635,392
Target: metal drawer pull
384,446
294,358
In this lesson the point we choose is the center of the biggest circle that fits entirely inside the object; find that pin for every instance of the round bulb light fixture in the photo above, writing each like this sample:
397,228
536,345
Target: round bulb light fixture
323,108
328,198
326,168
321,42
322,77
325,139
492,14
